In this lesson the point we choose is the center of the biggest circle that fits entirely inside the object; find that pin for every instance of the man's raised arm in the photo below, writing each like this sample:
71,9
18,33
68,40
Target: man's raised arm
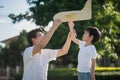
46,37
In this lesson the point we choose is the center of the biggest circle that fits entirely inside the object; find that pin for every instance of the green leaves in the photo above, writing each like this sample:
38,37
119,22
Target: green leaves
11,55
105,16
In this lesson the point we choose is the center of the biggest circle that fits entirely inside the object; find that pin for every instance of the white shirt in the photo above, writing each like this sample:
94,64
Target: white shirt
36,67
86,53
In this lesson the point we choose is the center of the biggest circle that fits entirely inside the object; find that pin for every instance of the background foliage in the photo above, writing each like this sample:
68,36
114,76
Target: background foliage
11,55
71,74
105,16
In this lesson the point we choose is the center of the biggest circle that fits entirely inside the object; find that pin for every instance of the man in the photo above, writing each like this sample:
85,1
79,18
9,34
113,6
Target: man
36,59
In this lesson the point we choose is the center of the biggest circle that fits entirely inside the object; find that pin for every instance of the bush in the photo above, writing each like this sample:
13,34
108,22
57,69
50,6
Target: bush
108,75
103,73
62,74
18,76
71,74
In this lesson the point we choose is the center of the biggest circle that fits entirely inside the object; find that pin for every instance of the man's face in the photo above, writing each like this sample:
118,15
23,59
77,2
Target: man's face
38,38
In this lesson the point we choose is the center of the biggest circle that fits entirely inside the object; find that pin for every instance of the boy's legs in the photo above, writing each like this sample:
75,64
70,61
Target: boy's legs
83,76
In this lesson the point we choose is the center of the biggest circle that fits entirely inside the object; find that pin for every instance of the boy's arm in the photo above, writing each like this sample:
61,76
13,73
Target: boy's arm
93,61
46,38
66,46
74,39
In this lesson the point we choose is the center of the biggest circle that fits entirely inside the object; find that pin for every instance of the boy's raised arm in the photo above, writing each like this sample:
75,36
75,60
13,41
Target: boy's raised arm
74,39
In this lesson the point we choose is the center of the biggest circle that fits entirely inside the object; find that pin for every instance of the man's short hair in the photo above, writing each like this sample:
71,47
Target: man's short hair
32,34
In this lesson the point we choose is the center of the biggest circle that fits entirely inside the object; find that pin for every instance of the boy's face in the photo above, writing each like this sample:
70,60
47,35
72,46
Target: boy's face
38,38
86,37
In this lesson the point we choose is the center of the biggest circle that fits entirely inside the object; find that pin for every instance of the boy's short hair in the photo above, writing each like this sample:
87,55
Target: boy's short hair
94,31
32,34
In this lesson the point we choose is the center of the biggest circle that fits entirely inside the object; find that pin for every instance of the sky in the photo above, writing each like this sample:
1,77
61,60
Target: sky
7,28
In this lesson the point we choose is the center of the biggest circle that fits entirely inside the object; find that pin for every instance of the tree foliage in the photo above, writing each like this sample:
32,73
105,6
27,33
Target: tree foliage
105,16
11,55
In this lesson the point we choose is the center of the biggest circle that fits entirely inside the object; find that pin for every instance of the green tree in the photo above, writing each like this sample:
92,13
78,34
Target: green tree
107,19
11,55
105,16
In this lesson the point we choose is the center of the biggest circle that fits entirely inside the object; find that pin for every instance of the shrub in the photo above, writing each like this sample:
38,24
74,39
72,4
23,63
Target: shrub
102,73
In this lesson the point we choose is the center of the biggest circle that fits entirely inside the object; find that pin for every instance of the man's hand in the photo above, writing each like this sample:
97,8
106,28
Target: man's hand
56,24
65,48
70,35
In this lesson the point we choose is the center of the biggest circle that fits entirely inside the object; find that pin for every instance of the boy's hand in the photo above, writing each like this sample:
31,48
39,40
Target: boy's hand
73,34
56,23
71,25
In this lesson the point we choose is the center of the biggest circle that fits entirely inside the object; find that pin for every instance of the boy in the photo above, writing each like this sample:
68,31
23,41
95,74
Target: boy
36,59
87,53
